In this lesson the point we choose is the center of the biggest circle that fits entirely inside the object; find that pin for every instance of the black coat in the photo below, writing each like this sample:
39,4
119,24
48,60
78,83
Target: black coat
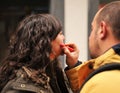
58,84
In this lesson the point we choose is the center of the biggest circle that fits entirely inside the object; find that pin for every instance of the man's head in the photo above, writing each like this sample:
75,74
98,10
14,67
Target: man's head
105,29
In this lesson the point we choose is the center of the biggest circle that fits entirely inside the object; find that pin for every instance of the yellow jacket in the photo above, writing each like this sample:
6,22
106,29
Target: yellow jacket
104,82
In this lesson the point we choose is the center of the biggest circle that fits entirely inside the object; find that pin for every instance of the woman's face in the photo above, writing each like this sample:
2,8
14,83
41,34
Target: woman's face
56,49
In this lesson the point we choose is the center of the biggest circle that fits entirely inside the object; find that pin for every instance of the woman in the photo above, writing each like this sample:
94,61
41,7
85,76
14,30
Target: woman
32,65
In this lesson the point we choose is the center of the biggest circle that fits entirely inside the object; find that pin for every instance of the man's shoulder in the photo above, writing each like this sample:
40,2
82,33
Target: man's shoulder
103,82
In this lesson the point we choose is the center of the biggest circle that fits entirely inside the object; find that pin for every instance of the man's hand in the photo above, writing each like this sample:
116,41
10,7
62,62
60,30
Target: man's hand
72,54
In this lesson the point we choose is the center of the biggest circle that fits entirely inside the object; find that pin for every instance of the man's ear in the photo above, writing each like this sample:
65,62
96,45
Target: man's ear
103,30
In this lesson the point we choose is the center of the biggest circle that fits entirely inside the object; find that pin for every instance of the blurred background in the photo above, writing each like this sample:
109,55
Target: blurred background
75,16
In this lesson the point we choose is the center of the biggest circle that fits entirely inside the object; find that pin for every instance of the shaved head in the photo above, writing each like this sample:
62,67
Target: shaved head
111,15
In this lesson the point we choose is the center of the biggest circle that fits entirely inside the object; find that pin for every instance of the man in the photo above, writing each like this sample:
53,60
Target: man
104,46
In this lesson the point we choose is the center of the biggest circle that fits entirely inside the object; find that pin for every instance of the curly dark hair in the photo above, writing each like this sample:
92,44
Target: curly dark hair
30,45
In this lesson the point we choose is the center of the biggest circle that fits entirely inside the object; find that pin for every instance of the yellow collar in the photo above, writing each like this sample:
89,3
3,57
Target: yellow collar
108,57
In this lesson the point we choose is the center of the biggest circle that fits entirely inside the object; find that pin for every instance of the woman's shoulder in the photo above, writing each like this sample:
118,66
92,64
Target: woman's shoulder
20,83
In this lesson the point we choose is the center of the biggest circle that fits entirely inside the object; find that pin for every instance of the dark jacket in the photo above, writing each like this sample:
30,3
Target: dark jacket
22,85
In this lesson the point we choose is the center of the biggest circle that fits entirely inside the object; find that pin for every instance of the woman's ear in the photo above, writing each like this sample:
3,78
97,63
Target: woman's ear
103,30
